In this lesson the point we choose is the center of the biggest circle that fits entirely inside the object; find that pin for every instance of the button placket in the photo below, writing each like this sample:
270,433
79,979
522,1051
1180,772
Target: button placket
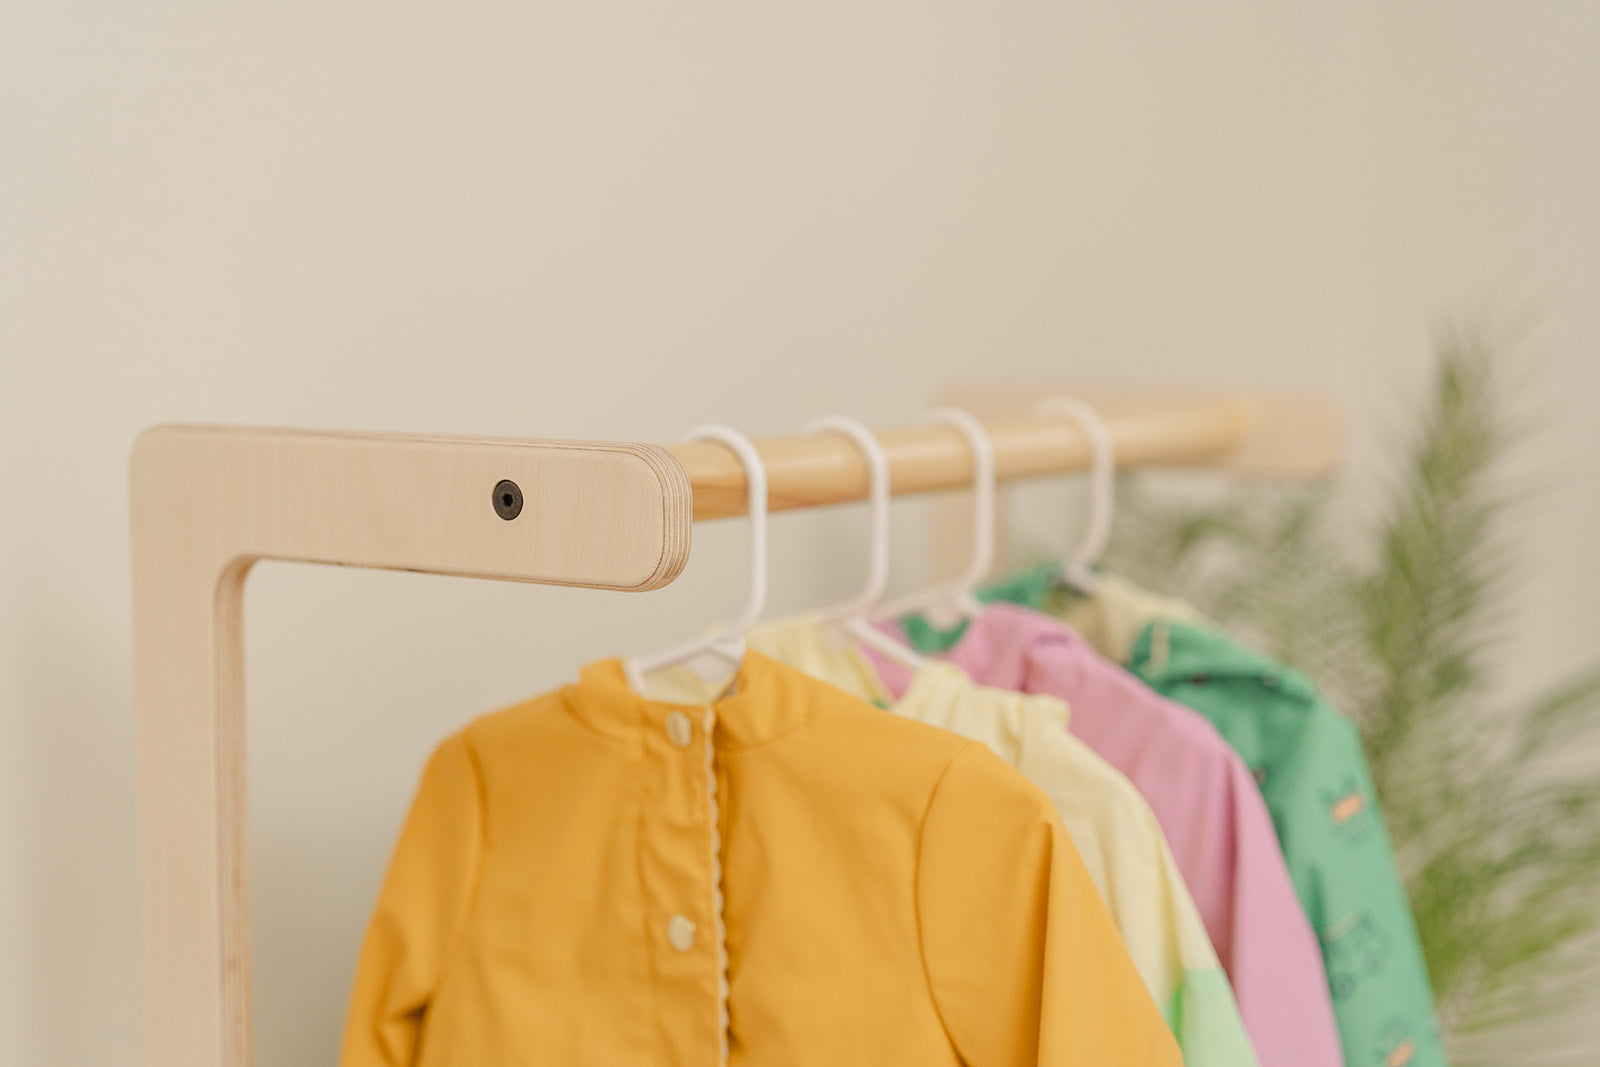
677,865
680,928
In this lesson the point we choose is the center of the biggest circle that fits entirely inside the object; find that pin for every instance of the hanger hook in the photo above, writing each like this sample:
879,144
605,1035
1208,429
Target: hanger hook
1078,569
878,496
755,476
983,485
728,642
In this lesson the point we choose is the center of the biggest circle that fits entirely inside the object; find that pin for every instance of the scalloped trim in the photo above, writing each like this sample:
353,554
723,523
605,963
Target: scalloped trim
721,927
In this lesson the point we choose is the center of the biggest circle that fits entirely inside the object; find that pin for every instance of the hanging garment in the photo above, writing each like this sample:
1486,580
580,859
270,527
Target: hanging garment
780,875
1308,762
1204,798
1112,827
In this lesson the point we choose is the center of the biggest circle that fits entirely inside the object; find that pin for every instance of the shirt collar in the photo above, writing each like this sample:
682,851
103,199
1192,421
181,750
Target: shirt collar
762,701
940,694
998,645
1168,652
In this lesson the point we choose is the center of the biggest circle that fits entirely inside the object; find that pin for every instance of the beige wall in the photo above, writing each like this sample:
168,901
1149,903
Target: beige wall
621,220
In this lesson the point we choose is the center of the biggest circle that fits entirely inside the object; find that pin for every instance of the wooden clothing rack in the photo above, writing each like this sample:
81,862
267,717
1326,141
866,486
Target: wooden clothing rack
208,501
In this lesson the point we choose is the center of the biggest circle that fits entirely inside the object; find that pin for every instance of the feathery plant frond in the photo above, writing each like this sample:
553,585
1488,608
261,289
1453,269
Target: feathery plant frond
1499,843
1433,608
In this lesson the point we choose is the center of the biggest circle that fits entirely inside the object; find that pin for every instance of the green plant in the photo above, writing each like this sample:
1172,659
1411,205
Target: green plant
1499,843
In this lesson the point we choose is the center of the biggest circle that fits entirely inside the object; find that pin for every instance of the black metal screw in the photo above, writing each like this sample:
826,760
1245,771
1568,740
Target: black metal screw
508,499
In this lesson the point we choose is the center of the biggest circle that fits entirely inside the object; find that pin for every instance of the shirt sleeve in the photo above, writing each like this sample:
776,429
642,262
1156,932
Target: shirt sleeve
421,911
1200,1006
1344,869
1273,957
1022,957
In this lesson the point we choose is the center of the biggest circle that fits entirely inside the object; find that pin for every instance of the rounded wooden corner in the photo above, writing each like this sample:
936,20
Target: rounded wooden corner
146,442
677,514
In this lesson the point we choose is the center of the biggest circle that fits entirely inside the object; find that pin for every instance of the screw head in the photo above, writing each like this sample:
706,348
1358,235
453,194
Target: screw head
507,499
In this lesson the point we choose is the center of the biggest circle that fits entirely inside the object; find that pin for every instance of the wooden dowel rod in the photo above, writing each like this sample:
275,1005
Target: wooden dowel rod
828,469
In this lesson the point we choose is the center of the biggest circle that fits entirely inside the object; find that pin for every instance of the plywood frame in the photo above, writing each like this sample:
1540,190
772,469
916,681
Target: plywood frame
207,502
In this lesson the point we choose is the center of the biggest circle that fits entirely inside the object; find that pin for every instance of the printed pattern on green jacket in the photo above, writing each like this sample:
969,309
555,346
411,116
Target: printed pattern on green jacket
1308,761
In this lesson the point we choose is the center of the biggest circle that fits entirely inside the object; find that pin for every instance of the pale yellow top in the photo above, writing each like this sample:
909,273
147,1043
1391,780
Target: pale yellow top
580,873
1112,826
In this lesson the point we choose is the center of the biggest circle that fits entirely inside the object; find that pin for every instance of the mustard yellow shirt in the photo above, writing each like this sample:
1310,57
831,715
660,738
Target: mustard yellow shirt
1110,823
784,875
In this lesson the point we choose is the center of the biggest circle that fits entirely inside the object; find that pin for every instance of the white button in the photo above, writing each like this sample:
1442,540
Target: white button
680,932
680,731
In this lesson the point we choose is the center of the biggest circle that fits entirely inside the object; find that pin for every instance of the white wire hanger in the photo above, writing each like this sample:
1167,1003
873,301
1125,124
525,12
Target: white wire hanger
1078,570
853,616
725,648
956,600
